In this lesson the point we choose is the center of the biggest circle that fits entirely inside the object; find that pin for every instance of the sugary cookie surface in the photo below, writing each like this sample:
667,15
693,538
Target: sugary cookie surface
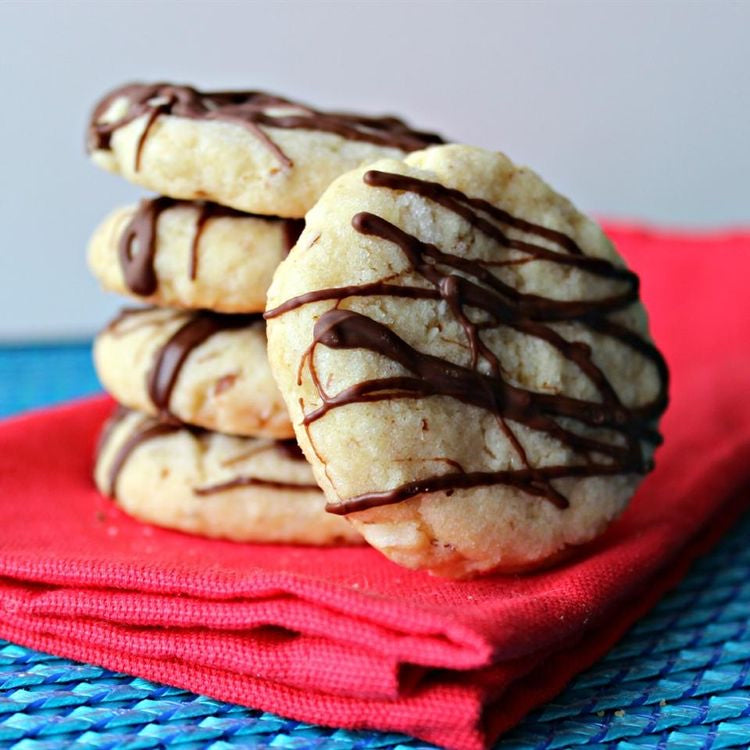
466,362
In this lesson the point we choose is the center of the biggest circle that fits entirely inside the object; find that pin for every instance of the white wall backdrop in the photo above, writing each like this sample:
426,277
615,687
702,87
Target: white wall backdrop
635,110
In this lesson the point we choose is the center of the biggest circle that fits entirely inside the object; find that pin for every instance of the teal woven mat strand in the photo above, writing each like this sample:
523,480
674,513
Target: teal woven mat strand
679,680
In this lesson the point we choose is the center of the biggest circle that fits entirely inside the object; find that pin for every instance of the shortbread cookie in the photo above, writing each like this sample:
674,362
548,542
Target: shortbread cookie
202,369
191,254
245,489
252,151
472,379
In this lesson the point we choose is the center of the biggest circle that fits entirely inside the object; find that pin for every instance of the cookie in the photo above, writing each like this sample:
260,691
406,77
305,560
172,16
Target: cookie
473,379
253,151
244,489
201,368
190,254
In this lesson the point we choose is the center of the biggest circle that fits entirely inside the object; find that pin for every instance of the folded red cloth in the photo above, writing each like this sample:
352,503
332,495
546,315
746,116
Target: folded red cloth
344,637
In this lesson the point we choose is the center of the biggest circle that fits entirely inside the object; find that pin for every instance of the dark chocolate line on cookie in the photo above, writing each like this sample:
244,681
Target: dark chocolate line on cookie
291,228
250,109
172,355
138,268
289,449
109,426
206,212
149,428
247,481
146,429
466,283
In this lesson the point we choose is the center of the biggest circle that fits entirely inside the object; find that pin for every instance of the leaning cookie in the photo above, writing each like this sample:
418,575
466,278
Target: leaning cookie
252,151
473,379
244,489
202,369
190,254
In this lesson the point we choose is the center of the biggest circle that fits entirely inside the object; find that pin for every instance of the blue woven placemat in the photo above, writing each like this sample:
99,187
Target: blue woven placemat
679,680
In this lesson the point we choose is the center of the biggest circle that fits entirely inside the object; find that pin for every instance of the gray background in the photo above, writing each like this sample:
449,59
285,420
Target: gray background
635,110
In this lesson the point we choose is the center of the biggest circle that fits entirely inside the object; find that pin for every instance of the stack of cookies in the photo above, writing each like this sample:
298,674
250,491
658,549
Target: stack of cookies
464,355
202,441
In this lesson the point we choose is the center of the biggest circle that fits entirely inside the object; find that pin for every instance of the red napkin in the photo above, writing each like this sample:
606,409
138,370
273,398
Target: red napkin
344,637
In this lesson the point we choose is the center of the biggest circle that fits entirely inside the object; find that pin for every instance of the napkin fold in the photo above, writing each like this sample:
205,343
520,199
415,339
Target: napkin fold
345,638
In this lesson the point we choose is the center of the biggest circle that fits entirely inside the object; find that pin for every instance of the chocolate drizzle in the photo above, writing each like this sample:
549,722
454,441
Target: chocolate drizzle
206,212
253,110
247,481
117,416
171,357
463,284
289,449
146,429
138,268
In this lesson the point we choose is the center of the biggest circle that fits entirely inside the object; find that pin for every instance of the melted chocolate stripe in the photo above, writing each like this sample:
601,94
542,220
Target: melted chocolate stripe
246,481
522,479
644,348
138,269
377,288
152,116
203,216
475,286
117,416
148,429
145,431
249,109
171,357
206,212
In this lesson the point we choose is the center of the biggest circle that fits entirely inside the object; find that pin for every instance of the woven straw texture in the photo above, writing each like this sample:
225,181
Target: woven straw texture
680,680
